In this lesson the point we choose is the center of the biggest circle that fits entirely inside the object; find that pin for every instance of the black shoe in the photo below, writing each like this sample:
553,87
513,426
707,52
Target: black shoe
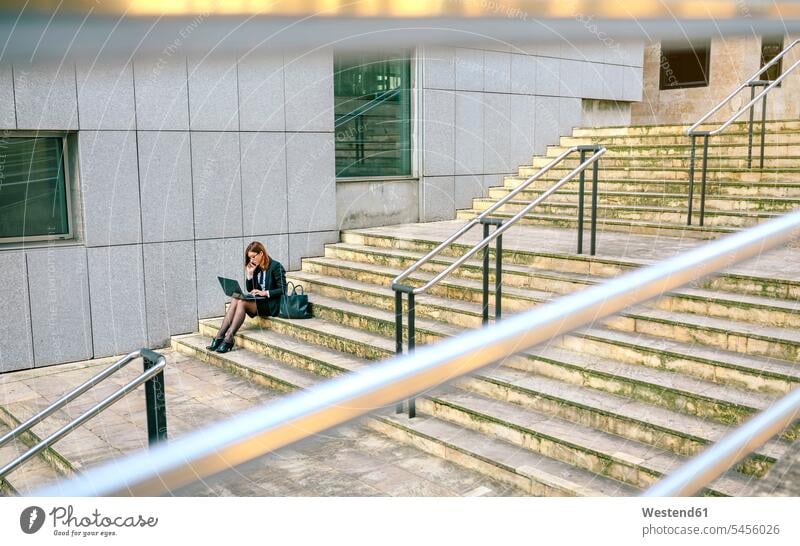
215,343
225,346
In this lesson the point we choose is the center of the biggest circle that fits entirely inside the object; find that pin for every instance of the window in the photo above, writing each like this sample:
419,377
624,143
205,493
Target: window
770,47
34,197
372,114
684,66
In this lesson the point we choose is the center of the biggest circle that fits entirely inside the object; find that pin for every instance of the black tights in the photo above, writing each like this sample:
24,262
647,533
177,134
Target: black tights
234,318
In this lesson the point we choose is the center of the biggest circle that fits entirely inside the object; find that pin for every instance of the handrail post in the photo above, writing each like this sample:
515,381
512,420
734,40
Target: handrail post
581,182
485,288
703,180
750,129
763,127
155,400
412,404
593,245
498,278
691,179
398,332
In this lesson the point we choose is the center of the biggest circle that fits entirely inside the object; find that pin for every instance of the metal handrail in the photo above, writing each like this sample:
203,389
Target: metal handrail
497,237
364,108
692,477
752,82
477,220
746,83
154,364
249,435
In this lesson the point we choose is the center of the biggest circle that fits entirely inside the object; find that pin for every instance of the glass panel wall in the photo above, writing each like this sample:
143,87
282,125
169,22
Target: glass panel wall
372,114
33,193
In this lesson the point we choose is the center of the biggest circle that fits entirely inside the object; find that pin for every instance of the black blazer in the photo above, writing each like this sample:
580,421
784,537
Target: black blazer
272,279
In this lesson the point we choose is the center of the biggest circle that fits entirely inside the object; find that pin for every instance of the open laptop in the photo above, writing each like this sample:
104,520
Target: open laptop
233,290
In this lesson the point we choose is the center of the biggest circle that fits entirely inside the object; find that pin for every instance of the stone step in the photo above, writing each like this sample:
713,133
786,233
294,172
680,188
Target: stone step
772,125
368,333
683,150
657,215
602,265
769,191
654,199
654,381
638,227
735,336
727,137
660,173
28,477
532,472
552,436
716,162
744,307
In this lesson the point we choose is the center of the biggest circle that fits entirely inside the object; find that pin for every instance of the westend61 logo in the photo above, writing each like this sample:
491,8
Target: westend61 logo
66,523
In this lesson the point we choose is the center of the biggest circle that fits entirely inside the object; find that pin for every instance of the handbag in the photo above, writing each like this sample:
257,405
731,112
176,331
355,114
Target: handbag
294,305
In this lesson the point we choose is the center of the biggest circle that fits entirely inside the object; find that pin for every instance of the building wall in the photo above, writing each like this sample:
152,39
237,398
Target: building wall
487,111
732,61
179,163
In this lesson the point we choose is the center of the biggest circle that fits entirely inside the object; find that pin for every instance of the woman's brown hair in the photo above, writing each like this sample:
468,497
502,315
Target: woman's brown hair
257,247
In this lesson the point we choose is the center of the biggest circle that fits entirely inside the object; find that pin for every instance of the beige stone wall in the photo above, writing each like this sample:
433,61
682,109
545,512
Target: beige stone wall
733,60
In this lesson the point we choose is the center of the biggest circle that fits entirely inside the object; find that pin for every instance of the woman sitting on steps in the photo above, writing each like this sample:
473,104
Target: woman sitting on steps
266,278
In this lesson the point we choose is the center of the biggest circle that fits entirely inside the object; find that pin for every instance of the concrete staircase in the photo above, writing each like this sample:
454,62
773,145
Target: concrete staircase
608,409
643,181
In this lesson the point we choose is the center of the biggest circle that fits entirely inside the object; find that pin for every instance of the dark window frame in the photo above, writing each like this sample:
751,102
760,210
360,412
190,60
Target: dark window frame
776,70
702,54
68,188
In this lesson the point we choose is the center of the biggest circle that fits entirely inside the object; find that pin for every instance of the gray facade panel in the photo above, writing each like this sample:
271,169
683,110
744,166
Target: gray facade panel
496,115
261,106
547,76
438,198
306,245
105,95
498,72
439,132
216,257
46,96
110,187
264,200
547,126
16,345
311,182
523,74
632,83
8,116
277,247
469,69
165,178
469,133
571,77
521,129
170,291
116,278
217,185
569,115
466,187
439,68
376,203
308,78
613,76
213,94
60,312
162,99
